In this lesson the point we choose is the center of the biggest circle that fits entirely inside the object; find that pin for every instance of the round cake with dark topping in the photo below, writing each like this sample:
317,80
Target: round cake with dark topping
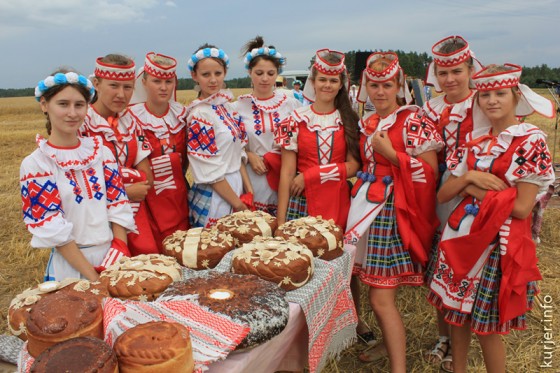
199,248
77,355
287,264
323,237
246,225
246,299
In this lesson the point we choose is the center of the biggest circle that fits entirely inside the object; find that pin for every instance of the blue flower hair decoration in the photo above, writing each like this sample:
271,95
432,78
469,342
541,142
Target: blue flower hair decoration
207,53
264,51
60,79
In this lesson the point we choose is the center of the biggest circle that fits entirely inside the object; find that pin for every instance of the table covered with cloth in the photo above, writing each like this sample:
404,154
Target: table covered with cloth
324,305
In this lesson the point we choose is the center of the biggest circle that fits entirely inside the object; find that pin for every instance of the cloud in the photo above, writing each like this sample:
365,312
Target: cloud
26,16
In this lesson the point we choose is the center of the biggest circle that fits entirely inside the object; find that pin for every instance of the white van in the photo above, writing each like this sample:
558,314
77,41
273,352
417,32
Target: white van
292,75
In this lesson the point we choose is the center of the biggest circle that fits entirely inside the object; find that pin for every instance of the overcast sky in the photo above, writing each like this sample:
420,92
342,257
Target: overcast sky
37,36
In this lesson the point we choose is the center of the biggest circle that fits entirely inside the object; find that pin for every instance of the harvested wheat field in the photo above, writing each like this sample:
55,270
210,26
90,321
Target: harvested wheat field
21,267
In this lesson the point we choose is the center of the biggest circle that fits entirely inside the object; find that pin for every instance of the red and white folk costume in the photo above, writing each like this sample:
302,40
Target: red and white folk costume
167,200
126,140
486,265
453,121
216,141
320,144
72,194
261,119
392,214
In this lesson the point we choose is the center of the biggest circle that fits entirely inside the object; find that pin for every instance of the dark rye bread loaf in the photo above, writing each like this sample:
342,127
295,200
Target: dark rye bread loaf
77,355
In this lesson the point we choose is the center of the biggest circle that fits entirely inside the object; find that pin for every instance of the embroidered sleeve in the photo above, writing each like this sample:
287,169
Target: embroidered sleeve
118,206
421,135
532,163
144,147
457,161
286,133
243,136
42,206
201,140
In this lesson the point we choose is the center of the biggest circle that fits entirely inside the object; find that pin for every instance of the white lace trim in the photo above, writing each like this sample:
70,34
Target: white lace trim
173,121
96,123
78,158
318,122
269,105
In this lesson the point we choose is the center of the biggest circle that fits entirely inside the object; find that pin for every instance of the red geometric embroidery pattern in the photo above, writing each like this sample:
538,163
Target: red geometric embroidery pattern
420,129
201,138
532,157
113,184
39,199
284,132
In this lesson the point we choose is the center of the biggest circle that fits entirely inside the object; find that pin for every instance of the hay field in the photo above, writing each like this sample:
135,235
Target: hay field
21,267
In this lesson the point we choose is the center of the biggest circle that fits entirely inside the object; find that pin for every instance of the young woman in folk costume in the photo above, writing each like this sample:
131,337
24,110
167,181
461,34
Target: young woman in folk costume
73,197
164,123
450,72
261,111
392,216
484,279
110,118
216,142
319,146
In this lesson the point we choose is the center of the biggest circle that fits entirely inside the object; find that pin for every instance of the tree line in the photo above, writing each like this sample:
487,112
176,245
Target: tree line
413,63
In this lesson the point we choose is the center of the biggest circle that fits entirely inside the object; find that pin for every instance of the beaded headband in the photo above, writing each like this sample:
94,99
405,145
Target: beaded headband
61,78
264,51
109,71
158,70
207,53
329,68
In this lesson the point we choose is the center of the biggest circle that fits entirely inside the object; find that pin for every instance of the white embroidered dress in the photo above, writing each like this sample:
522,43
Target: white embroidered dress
73,194
216,141
261,119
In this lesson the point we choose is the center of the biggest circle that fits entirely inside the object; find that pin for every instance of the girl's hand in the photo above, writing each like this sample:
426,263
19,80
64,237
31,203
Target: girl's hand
137,192
257,163
486,181
297,186
381,143
240,207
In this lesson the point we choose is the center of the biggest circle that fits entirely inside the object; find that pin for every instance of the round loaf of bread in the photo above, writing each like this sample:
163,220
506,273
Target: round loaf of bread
62,316
199,248
287,264
246,225
247,299
77,355
323,237
142,277
24,302
154,347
